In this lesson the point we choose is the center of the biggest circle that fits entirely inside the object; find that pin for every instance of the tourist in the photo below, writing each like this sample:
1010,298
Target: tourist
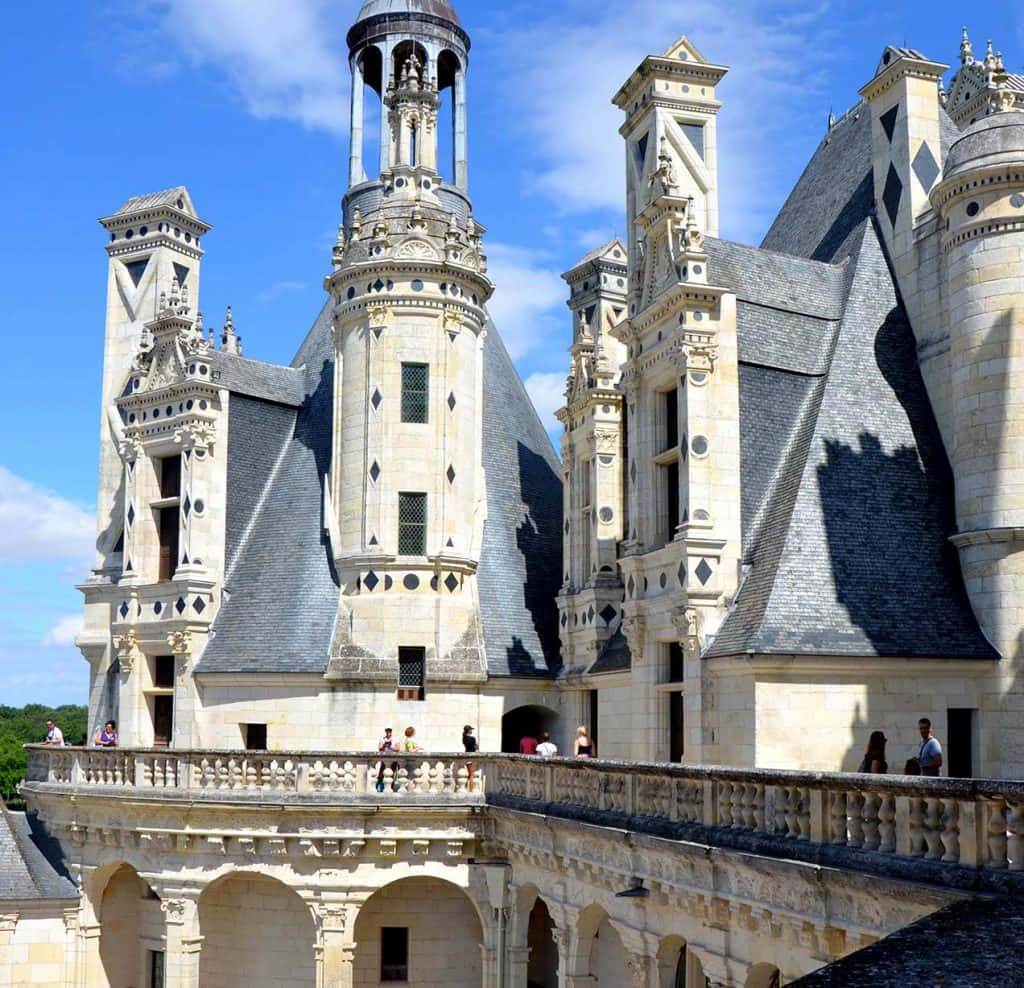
107,738
929,755
546,748
386,743
912,767
527,745
583,747
409,744
54,735
470,744
874,757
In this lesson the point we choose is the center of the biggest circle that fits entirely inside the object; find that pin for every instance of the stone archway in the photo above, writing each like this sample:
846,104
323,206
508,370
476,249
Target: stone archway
601,953
764,976
423,930
532,719
121,927
257,933
542,967
678,964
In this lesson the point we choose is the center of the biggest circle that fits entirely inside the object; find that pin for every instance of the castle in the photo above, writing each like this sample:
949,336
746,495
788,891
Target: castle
789,510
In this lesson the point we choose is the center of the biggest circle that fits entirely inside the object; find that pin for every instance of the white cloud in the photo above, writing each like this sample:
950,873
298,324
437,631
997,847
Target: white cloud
279,289
571,61
595,236
528,302
37,524
547,392
64,630
283,60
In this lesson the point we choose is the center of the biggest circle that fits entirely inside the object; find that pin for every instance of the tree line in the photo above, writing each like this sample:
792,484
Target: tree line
27,725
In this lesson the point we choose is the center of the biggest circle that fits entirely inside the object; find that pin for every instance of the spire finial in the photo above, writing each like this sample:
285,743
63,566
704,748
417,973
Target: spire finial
831,117
229,340
966,51
990,59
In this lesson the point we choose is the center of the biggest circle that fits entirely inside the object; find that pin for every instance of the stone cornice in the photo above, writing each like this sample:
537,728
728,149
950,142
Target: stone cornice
904,67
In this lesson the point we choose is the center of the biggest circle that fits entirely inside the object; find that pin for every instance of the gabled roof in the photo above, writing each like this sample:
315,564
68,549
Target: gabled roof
176,198
605,251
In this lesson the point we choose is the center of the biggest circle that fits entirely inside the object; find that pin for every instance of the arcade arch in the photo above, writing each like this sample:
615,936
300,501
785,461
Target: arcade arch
257,933
764,975
530,719
442,938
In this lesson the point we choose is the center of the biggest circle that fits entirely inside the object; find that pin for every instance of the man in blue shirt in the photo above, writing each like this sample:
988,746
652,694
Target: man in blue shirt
930,752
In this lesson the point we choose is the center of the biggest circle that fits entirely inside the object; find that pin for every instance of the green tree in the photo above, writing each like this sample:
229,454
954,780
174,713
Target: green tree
27,725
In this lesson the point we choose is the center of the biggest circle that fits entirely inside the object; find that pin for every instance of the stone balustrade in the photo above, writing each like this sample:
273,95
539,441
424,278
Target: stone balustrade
923,827
239,774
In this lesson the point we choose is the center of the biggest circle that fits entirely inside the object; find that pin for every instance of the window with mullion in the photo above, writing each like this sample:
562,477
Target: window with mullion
412,524
415,392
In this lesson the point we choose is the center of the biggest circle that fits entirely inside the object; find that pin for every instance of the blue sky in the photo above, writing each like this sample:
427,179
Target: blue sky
245,102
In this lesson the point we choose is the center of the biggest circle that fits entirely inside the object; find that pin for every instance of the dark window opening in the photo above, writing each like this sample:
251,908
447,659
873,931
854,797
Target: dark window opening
168,523
394,953
412,663
412,524
671,406
959,743
593,716
255,737
671,500
415,392
679,981
163,720
675,662
163,672
156,969
676,744
170,476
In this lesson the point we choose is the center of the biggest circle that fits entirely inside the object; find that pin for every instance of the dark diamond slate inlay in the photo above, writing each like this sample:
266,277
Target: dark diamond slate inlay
199,604
179,604
451,582
681,575
373,540
450,544
131,514
703,571
375,471
891,194
123,609
607,613
451,401
377,330
371,581
450,474
925,167
376,399
888,121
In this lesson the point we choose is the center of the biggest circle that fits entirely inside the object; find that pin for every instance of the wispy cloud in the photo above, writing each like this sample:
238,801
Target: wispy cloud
64,630
571,60
547,391
527,302
279,289
282,60
37,524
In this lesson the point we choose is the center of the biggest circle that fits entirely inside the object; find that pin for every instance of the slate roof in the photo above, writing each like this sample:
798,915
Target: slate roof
847,492
614,655
280,589
167,197
26,872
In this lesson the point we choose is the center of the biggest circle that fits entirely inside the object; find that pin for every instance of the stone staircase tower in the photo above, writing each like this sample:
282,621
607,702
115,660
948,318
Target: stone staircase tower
406,498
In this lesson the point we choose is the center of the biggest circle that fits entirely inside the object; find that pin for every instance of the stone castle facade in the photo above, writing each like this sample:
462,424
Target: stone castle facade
786,513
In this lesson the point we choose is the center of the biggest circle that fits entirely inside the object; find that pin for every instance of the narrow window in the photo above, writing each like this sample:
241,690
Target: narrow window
412,524
163,720
394,953
169,522
255,737
170,476
411,672
959,742
163,672
675,662
676,737
156,969
671,477
415,392
670,411
593,716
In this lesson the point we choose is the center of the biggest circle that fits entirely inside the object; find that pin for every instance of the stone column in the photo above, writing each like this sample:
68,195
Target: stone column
518,966
385,125
355,155
459,144
88,964
182,941
336,947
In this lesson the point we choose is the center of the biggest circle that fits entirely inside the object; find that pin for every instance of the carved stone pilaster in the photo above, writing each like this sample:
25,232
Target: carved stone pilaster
687,625
634,627
127,647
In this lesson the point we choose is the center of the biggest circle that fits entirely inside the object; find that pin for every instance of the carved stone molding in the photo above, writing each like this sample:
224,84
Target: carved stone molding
127,647
634,627
687,625
180,642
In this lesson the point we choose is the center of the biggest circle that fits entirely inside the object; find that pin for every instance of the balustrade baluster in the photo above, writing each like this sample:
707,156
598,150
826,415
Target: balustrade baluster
950,830
996,833
1015,842
855,818
887,825
724,804
869,821
837,817
251,774
933,827
918,845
